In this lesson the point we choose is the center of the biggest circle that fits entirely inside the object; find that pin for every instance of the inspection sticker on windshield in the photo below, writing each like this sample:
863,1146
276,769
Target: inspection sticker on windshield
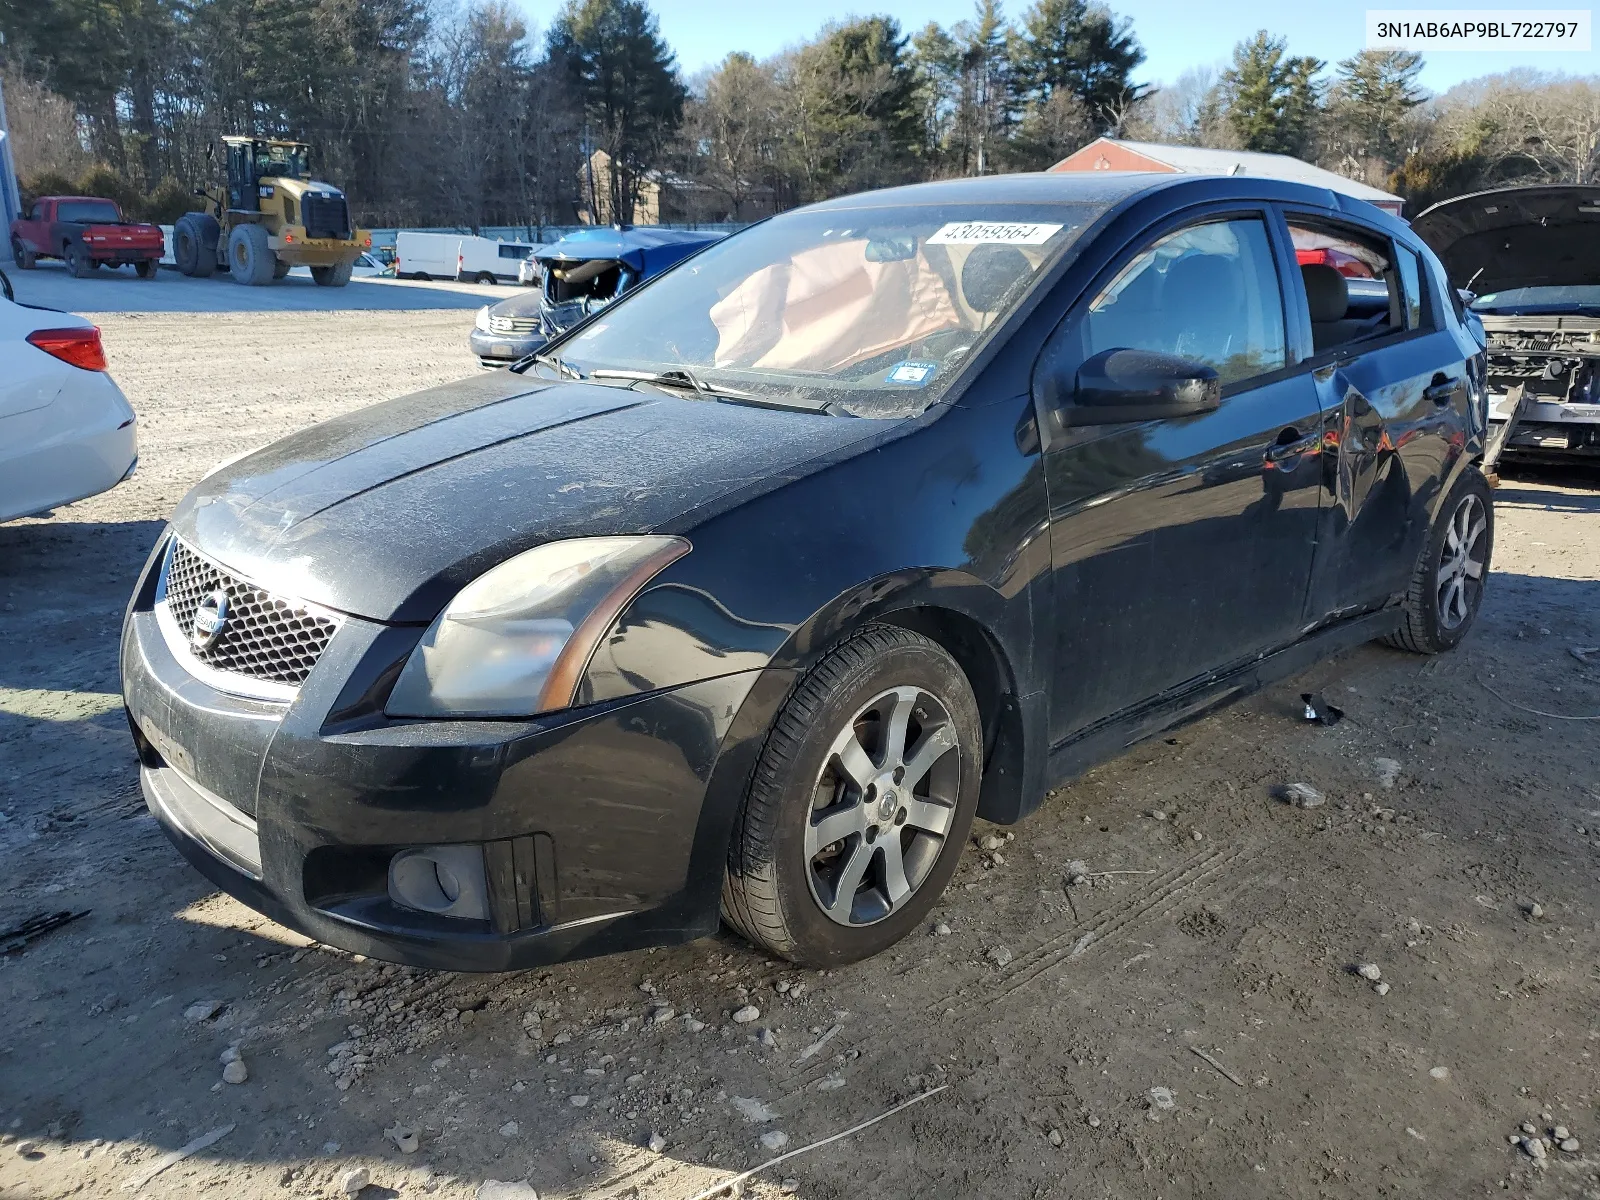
984,233
917,373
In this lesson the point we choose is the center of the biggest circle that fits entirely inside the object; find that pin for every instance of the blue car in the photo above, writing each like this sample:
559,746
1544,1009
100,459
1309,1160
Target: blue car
579,274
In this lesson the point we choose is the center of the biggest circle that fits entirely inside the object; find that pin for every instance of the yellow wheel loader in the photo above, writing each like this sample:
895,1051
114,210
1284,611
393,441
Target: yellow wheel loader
270,216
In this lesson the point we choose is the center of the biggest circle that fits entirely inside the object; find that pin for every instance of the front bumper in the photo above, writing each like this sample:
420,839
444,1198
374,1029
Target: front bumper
503,349
624,810
1550,431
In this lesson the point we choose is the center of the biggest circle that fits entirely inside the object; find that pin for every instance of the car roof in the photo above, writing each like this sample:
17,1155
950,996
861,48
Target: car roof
1109,189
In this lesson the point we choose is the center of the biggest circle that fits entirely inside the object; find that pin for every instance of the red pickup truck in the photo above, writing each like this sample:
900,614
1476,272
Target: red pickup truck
85,231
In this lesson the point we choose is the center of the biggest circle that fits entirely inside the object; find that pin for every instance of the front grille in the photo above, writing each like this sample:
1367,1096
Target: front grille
513,324
265,636
325,216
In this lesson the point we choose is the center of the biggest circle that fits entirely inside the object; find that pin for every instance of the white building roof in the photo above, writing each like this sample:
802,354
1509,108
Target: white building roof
1200,160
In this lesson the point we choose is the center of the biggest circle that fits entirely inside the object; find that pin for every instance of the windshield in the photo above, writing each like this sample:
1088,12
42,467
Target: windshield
100,211
1539,299
871,310
284,162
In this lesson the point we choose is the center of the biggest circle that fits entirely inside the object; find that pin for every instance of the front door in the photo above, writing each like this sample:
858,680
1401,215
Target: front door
1182,546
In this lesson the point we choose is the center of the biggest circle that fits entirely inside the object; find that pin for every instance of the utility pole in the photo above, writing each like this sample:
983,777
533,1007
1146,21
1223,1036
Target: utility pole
10,201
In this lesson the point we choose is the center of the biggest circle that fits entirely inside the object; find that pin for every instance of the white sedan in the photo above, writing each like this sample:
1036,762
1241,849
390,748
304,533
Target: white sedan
66,430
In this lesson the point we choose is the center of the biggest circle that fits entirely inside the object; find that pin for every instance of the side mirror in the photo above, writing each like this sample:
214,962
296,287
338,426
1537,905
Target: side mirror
199,191
5,288
1141,385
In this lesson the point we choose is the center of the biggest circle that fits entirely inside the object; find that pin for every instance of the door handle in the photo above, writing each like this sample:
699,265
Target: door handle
1441,388
1291,444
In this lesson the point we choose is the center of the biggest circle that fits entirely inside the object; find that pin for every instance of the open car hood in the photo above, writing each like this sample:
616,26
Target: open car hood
1537,236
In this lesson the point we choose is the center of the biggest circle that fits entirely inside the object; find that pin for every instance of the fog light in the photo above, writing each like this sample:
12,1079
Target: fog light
448,881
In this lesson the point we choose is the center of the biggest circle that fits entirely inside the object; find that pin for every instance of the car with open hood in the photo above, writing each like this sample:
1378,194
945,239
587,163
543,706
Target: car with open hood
573,278
1531,258
744,596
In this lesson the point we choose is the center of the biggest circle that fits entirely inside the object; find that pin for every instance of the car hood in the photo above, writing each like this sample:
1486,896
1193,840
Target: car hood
387,512
524,304
1539,236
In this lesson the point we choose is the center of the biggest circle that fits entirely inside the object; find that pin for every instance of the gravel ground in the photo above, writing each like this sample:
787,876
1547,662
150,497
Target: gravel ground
1162,986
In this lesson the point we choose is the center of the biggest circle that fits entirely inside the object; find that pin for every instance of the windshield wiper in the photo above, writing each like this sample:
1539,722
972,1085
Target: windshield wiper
564,369
682,377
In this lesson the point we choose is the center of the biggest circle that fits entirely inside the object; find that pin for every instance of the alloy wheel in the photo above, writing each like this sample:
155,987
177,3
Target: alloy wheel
1459,583
883,806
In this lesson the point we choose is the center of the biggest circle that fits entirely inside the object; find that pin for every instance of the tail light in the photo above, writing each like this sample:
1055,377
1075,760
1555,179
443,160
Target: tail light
461,263
79,347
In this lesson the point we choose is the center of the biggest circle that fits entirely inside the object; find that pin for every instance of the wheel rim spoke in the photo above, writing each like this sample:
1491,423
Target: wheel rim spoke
853,759
934,745
850,877
899,718
930,816
835,827
1473,568
895,885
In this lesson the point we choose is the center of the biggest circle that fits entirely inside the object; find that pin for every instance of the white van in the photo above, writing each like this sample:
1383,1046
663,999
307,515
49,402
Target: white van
482,261
426,255
457,256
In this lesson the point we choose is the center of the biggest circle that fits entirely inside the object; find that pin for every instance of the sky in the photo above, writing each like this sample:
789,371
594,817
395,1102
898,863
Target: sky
1176,34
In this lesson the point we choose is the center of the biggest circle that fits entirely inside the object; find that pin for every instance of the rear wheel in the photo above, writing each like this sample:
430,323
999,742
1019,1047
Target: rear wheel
280,269
860,802
146,269
23,257
335,276
250,257
1447,586
485,277
79,262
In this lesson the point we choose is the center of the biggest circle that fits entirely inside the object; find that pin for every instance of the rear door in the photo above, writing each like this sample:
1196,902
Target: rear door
1182,546
1393,383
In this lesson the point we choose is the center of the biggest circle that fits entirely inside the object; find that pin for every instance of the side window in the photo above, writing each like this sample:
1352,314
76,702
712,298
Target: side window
1353,287
37,214
1410,285
1208,293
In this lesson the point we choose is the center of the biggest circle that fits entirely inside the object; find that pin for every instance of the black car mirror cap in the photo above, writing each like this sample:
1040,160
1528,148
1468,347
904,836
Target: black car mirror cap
1121,385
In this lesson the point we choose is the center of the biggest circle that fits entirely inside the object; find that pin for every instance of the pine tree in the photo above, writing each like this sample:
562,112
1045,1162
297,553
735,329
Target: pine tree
1081,48
627,79
1370,102
1272,99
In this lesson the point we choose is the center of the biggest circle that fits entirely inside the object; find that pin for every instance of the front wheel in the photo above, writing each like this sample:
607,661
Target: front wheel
336,275
860,802
1447,586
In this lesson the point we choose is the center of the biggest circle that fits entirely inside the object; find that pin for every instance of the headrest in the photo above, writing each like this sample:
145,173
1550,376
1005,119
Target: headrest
1210,279
989,275
1327,294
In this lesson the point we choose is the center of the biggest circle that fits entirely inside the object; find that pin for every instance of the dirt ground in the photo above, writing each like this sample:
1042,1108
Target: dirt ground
1185,1022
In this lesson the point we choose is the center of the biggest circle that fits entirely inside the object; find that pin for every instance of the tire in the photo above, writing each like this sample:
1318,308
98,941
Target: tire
1447,586
280,269
782,880
484,277
23,257
250,257
335,276
146,269
194,245
78,262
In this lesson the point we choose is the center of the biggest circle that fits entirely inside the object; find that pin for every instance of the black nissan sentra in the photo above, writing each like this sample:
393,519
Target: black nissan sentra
753,589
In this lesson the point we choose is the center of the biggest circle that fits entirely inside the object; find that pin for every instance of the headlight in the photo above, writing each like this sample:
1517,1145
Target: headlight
516,640
482,320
